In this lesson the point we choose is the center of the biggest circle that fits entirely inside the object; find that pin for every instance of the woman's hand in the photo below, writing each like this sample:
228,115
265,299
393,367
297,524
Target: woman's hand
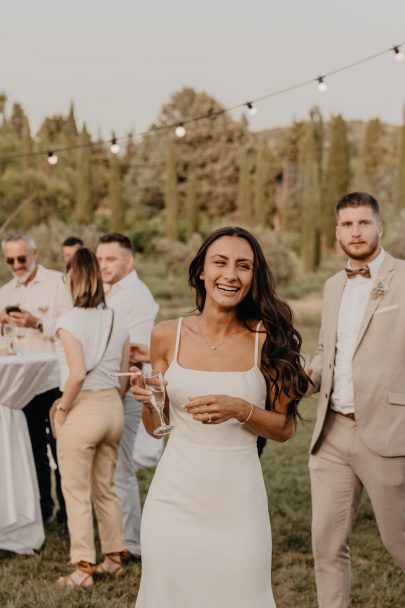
60,418
215,409
141,394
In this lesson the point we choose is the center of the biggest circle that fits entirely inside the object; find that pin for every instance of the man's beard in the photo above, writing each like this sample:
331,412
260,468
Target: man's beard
23,278
364,255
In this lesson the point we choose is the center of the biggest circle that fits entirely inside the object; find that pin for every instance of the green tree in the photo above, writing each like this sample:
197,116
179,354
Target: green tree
400,189
84,205
170,192
191,206
336,178
372,167
244,188
309,192
115,195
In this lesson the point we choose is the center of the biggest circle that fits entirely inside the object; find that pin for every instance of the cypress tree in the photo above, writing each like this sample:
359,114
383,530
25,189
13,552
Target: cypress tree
372,158
244,188
400,190
170,192
115,195
191,206
260,201
336,179
84,207
309,192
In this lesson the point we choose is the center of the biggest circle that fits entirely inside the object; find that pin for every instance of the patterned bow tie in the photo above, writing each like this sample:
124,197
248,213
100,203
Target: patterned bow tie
364,271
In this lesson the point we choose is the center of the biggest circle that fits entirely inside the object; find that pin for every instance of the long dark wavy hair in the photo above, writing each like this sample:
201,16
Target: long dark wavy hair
281,360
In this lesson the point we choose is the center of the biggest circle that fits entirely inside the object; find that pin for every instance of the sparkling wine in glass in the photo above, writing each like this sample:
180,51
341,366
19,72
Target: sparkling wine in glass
19,335
154,383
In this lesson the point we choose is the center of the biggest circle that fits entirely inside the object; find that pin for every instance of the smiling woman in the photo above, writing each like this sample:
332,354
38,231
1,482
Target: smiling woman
233,372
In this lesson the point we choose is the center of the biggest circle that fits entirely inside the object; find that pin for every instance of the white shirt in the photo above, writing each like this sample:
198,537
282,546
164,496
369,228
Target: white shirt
131,296
91,327
353,305
45,297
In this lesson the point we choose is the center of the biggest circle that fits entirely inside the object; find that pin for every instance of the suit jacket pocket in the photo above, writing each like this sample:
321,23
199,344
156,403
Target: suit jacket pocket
396,398
380,311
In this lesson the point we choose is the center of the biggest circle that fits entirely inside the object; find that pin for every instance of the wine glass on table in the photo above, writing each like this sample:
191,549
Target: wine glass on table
19,335
154,382
8,332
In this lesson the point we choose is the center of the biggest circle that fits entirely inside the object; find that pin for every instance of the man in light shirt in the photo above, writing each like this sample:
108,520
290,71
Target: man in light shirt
359,435
38,296
70,246
125,292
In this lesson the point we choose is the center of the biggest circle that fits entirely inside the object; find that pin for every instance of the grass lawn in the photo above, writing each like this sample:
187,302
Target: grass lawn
29,582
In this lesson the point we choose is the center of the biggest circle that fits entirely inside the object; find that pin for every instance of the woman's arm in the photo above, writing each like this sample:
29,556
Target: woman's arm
124,367
77,370
163,337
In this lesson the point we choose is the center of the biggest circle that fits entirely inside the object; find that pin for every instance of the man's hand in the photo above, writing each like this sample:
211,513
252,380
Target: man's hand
139,353
21,319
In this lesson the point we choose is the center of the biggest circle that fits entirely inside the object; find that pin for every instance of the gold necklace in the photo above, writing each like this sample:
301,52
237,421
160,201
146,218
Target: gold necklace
209,344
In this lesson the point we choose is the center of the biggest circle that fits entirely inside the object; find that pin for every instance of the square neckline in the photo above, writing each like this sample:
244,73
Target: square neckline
207,371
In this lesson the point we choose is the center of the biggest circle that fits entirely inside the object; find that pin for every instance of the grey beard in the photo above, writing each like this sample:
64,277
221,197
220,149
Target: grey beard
24,277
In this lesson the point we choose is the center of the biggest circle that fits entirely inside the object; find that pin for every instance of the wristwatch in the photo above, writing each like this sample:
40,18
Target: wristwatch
39,325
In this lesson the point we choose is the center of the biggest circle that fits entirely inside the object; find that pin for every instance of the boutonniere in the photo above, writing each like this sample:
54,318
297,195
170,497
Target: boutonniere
380,289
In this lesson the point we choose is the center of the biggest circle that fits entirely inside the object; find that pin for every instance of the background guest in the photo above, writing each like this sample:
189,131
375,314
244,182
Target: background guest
128,294
89,418
70,246
41,296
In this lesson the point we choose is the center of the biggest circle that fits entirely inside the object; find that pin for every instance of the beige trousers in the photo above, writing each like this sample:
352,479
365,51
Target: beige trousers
87,445
339,470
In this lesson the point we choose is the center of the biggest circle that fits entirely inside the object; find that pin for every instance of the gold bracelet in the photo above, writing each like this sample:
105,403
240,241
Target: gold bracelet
249,415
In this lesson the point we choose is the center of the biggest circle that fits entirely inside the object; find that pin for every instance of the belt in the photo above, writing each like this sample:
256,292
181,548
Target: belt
351,416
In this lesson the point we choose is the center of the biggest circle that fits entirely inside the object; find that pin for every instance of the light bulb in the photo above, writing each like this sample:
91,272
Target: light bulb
180,130
399,56
251,108
322,86
115,148
52,158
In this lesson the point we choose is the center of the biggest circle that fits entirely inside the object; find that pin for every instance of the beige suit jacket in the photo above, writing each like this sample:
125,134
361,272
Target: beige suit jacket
378,365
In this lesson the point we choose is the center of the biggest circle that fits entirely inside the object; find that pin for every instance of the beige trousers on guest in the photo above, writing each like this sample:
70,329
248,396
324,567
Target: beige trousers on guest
87,445
339,470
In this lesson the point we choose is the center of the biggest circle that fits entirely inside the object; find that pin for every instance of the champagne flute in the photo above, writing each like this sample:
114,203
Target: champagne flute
8,331
154,382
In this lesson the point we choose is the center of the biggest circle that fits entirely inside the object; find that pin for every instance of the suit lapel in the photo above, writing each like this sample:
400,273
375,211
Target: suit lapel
384,276
334,306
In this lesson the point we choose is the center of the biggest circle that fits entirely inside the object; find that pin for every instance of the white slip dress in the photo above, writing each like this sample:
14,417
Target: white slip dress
205,531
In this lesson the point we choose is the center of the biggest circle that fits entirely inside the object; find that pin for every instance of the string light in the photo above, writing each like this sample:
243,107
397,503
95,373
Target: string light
180,130
52,158
399,56
115,148
322,86
252,109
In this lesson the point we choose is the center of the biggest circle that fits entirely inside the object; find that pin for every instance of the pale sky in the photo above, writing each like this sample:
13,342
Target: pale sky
119,60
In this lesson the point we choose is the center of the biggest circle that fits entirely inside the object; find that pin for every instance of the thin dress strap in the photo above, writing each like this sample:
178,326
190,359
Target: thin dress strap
176,351
257,343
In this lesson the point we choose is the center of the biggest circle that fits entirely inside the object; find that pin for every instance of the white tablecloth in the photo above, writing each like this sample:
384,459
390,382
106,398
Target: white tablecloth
21,378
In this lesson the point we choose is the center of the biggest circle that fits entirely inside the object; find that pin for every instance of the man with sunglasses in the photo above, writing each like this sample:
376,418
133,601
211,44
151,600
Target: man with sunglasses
33,299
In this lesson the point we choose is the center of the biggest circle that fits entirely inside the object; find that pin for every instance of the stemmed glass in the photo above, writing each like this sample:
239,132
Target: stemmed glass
154,382
18,335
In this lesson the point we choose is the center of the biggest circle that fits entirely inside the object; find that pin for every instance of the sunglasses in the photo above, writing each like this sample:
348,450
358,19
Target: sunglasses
20,258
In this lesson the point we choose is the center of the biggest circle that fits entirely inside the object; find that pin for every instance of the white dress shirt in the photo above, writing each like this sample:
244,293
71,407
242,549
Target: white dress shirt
353,305
131,296
45,297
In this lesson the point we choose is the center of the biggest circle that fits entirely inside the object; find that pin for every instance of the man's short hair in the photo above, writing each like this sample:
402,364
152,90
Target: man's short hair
116,237
20,235
71,241
358,199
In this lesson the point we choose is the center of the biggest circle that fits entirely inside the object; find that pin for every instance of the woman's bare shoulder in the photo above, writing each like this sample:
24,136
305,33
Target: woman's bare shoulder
165,330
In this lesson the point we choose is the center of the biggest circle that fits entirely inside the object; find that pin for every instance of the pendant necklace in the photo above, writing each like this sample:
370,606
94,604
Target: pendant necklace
209,344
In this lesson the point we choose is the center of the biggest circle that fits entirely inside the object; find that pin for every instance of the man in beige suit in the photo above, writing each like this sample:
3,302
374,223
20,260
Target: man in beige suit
359,369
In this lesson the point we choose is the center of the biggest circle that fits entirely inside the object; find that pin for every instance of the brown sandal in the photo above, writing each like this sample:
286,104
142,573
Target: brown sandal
75,578
111,565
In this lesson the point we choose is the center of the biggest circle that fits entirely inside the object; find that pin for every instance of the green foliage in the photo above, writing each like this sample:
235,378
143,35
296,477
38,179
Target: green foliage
394,241
282,261
114,195
191,207
244,188
170,194
400,185
84,206
336,178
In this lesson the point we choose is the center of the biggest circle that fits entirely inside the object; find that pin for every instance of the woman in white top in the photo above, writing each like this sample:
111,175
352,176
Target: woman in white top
233,372
89,418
